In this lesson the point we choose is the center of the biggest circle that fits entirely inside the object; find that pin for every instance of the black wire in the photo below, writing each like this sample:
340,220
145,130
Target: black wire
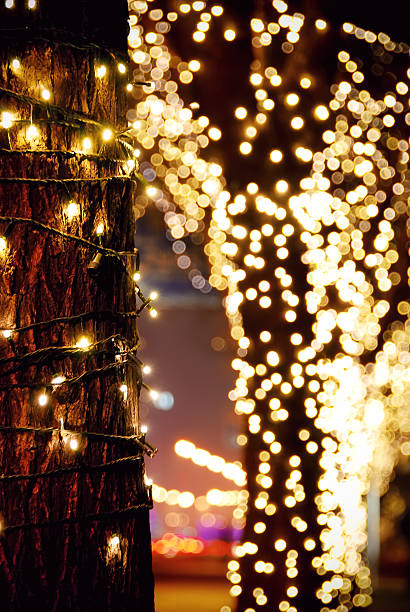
88,517
103,467
52,230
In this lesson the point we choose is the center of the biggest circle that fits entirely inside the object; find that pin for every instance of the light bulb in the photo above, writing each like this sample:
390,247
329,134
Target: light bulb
122,68
42,399
72,210
101,71
83,343
32,131
15,64
107,134
6,333
74,444
99,229
7,120
87,144
45,94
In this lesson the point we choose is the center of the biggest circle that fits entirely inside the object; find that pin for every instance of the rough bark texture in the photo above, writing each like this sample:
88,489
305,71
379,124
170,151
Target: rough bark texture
71,563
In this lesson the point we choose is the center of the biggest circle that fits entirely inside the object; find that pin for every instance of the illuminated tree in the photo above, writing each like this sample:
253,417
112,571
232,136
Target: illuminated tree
303,196
73,501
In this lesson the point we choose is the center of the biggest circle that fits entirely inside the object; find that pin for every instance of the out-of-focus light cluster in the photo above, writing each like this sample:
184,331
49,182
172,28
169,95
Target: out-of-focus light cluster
170,545
346,217
214,463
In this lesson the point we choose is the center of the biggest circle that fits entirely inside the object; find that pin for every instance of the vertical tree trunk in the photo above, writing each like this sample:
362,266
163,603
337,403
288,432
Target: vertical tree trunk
75,533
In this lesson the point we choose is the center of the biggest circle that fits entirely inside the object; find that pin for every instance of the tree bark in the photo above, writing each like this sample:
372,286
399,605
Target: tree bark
78,538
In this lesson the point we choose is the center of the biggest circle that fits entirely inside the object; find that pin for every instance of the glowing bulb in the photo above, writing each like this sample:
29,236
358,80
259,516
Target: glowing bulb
32,131
122,68
297,123
282,186
74,444
320,24
137,276
229,34
276,156
217,10
305,82
240,112
144,429
321,112
57,380
72,210
153,295
31,4
6,333
154,313
136,152
9,4
107,134
87,144
45,94
3,244
83,343
214,133
129,87
15,64
101,71
151,192
148,481
147,369
7,120
100,229
245,148
194,65
42,399
292,99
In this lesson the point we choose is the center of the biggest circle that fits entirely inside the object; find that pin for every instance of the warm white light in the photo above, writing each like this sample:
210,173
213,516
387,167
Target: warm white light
194,65
320,24
72,210
321,112
57,380
154,313
122,68
32,131
45,94
245,148
151,192
42,399
101,71
147,369
87,144
276,156
240,112
214,133
74,444
6,333
229,34
83,343
7,120
107,134
99,229
153,295
15,64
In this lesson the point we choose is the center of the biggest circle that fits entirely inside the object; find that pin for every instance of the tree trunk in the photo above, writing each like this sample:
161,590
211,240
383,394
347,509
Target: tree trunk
75,532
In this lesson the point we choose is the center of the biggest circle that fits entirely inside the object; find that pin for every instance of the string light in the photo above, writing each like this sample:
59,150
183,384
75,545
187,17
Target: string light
341,228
